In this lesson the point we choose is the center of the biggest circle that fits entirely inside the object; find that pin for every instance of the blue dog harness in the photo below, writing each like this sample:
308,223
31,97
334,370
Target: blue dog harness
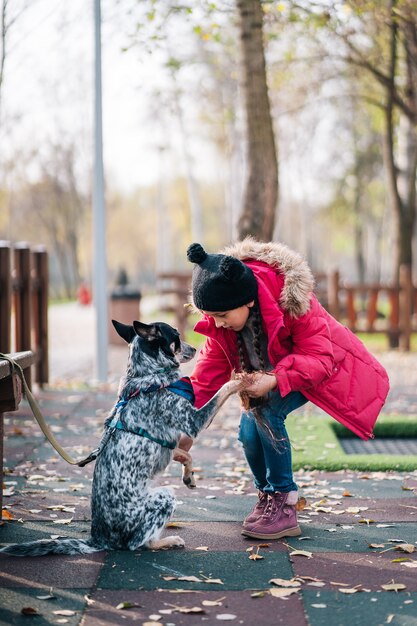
181,387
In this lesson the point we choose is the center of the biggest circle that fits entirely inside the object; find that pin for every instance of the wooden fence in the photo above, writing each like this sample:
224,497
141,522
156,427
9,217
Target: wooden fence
24,304
371,308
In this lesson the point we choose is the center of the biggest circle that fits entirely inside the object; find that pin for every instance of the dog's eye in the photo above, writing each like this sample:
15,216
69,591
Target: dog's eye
173,347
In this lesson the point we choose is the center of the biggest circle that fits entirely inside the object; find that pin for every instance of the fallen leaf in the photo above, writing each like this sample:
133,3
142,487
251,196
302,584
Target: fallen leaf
309,555
48,597
385,525
366,521
347,494
413,564
394,587
282,593
283,582
6,514
126,605
155,618
301,504
319,606
255,557
28,610
350,590
405,558
213,581
213,602
406,547
66,612
202,548
63,521
376,545
258,594
225,617
190,579
185,609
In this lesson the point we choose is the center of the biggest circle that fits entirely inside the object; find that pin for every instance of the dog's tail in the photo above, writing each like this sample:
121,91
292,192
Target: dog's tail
51,546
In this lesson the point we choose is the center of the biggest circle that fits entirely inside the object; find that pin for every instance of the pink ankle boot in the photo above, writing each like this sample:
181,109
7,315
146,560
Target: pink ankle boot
257,510
279,519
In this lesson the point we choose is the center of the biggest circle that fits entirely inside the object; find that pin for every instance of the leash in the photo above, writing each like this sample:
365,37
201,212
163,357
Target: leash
182,387
15,367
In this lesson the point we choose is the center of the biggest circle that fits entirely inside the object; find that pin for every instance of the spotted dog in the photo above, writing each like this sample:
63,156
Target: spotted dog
138,442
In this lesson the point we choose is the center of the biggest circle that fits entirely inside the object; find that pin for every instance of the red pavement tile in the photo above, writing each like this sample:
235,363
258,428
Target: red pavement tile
378,510
220,536
267,610
370,570
59,571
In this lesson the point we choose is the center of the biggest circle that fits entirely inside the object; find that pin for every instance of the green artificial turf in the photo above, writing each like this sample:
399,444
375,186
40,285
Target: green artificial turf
316,445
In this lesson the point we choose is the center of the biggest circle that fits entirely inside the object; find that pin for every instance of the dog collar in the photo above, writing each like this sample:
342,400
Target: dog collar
144,433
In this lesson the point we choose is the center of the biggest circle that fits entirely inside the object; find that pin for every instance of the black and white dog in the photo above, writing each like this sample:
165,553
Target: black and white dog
144,427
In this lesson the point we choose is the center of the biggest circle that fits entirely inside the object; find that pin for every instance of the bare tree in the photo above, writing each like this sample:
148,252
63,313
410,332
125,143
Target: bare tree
379,40
261,194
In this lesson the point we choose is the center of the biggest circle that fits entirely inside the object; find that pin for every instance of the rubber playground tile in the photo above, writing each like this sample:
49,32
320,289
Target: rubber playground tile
379,511
247,610
221,509
15,532
148,570
360,609
220,536
66,572
35,506
383,488
371,570
12,601
353,538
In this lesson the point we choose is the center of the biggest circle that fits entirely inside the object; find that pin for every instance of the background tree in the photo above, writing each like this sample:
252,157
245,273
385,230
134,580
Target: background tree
379,40
261,194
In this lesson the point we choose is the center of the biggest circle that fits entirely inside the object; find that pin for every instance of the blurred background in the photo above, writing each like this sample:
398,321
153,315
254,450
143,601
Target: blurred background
290,121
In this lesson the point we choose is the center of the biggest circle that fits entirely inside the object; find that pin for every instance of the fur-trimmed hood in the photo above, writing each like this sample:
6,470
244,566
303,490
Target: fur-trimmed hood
298,278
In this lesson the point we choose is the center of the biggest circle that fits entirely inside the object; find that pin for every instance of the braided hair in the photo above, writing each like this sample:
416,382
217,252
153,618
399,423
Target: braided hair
257,330
246,366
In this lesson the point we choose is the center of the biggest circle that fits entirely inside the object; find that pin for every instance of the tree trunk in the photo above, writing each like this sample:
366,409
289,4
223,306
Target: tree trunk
261,194
402,169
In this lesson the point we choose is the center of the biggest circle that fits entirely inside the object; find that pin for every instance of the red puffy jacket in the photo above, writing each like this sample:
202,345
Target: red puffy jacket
311,351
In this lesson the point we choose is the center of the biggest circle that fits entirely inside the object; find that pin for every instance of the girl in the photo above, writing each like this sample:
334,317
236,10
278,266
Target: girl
260,315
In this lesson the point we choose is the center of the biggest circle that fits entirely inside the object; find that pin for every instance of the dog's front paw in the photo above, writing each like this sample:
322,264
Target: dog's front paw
189,480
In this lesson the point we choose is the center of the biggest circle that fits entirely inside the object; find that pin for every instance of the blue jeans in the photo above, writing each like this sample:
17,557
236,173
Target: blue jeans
266,445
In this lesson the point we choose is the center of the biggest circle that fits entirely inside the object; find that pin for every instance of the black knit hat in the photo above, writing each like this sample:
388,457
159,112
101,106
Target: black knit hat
220,282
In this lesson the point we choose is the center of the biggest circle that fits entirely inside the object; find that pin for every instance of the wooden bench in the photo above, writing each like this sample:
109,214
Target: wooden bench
10,395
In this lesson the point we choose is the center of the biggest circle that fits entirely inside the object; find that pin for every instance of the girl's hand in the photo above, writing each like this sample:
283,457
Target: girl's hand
261,385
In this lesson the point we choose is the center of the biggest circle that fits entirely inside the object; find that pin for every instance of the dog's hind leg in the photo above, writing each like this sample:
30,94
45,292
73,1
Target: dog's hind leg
158,508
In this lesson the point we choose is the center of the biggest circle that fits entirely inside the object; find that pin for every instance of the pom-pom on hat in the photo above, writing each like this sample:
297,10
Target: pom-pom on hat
220,282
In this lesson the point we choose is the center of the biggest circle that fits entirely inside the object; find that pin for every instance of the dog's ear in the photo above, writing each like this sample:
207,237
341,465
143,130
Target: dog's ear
126,332
150,332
